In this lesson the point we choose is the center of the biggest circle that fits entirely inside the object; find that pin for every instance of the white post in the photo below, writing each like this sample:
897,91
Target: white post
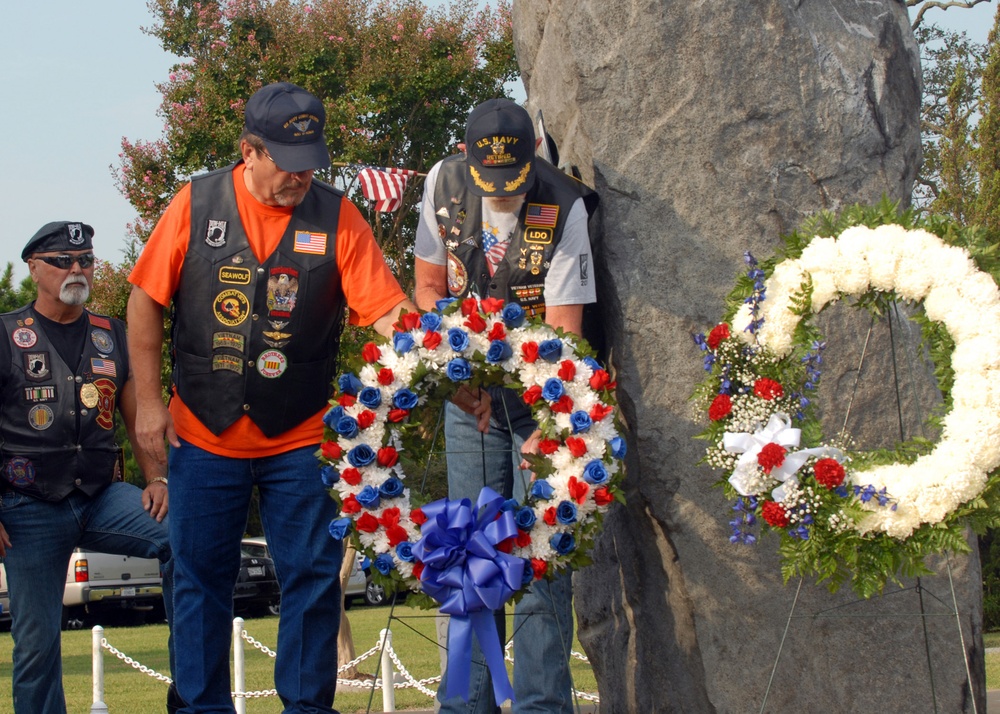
388,693
239,667
98,707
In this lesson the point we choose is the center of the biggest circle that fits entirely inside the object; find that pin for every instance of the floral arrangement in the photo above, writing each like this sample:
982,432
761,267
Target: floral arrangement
485,343
843,514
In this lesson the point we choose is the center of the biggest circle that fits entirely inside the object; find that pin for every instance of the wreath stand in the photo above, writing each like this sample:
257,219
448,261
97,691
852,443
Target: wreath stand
918,589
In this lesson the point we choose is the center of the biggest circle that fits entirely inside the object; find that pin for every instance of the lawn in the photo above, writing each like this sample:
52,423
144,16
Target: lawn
128,690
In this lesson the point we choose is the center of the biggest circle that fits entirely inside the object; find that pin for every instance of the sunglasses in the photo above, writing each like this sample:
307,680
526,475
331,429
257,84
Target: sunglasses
65,262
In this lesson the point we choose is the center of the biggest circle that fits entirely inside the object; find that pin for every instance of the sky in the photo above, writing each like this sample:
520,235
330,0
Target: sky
77,77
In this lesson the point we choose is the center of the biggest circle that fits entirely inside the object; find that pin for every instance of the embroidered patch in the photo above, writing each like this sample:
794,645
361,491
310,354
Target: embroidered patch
458,277
215,233
227,363
104,366
272,364
19,471
40,394
40,417
538,236
105,403
282,291
102,341
36,366
98,321
234,276
75,231
306,242
228,340
541,214
24,338
231,307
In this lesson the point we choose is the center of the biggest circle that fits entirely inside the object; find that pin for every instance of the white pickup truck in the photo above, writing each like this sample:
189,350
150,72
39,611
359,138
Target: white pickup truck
100,582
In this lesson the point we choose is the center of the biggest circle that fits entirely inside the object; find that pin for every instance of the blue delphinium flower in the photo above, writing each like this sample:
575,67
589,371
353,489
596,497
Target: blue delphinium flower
744,521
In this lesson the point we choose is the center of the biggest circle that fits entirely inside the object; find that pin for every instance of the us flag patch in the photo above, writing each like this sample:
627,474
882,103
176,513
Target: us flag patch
104,366
541,214
306,242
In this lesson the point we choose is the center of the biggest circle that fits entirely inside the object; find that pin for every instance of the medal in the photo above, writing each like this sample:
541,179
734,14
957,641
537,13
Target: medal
88,395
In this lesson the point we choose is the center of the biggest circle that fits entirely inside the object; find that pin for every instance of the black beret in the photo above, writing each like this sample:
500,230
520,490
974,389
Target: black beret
59,235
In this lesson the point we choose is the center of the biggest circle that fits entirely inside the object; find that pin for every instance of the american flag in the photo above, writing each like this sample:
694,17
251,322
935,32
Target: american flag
384,186
104,366
494,248
306,242
541,214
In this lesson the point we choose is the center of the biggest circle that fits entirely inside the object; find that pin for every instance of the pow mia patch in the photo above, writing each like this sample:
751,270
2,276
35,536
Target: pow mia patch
231,307
36,366
75,233
215,233
24,337
458,277
234,276
102,341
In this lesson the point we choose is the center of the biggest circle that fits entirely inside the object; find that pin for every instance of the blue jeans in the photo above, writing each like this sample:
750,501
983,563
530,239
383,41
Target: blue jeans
43,535
209,501
543,618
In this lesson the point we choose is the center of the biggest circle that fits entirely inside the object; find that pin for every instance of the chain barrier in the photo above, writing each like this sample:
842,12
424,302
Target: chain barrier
132,663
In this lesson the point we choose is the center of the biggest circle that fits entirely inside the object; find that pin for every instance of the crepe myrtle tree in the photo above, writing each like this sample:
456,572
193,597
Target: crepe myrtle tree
397,79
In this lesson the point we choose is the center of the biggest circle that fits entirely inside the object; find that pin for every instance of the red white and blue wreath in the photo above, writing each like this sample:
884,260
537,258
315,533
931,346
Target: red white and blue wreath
843,514
472,558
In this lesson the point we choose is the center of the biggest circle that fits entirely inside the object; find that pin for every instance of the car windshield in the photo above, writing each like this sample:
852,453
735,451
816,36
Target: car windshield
254,551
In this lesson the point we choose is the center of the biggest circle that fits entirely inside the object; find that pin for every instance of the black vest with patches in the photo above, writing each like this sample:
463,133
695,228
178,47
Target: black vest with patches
252,338
520,277
57,423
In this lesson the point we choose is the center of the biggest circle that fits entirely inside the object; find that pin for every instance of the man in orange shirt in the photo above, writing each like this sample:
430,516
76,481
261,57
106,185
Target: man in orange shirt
260,262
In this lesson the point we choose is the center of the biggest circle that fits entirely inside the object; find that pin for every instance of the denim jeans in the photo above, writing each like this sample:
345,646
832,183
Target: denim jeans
209,501
543,618
43,535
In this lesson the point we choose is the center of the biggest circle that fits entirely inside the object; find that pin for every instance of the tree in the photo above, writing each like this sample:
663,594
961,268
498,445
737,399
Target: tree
396,78
12,298
923,6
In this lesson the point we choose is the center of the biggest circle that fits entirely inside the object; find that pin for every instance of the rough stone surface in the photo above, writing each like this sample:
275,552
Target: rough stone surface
709,128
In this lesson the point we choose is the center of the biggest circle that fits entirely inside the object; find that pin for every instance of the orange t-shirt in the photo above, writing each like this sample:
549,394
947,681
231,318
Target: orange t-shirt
369,286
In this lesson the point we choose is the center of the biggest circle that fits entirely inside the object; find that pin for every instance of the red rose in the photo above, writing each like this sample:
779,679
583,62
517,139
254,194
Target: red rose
719,333
829,473
771,456
432,339
371,353
476,323
387,456
351,476
567,370
599,411
548,446
331,450
523,539
418,569
564,405
397,415
506,545
389,517
385,376
539,566
578,489
409,321
397,535
346,400
721,406
367,523
418,517
768,389
550,515
576,445
602,496
532,394
497,332
350,505
529,350
492,305
775,514
469,306
366,418
599,379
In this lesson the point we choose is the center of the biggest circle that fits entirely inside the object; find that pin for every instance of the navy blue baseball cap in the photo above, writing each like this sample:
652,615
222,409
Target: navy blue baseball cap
59,235
290,121
499,149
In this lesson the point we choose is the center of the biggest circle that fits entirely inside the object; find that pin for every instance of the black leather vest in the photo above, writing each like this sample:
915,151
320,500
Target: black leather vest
57,425
252,338
520,277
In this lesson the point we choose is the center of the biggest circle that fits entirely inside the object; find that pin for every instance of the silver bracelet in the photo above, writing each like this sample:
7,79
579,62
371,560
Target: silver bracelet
158,479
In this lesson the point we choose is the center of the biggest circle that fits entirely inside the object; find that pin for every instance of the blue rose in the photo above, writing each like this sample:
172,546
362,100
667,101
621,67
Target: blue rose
391,488
528,574
509,505
369,498
498,351
541,489
595,473
580,421
458,339
458,370
366,563
430,321
563,543
525,518
550,350
402,342
349,384
441,304
404,399
340,528
553,389
346,426
405,551
332,416
360,455
592,363
371,397
566,513
329,474
618,447
512,314
384,564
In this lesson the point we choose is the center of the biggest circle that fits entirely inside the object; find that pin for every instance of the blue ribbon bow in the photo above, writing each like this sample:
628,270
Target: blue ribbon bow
465,572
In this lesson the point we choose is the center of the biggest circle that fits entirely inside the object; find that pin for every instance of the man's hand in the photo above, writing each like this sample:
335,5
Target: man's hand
477,403
155,499
4,541
153,424
530,446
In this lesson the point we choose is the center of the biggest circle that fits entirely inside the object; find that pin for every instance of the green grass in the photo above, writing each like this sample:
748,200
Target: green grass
128,690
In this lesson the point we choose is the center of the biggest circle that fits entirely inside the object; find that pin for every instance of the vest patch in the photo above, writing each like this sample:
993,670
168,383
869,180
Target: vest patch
24,338
36,366
40,394
104,366
227,363
538,236
541,214
282,291
98,321
228,340
231,307
102,341
272,364
458,277
40,417
234,276
19,471
105,403
307,242
215,233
